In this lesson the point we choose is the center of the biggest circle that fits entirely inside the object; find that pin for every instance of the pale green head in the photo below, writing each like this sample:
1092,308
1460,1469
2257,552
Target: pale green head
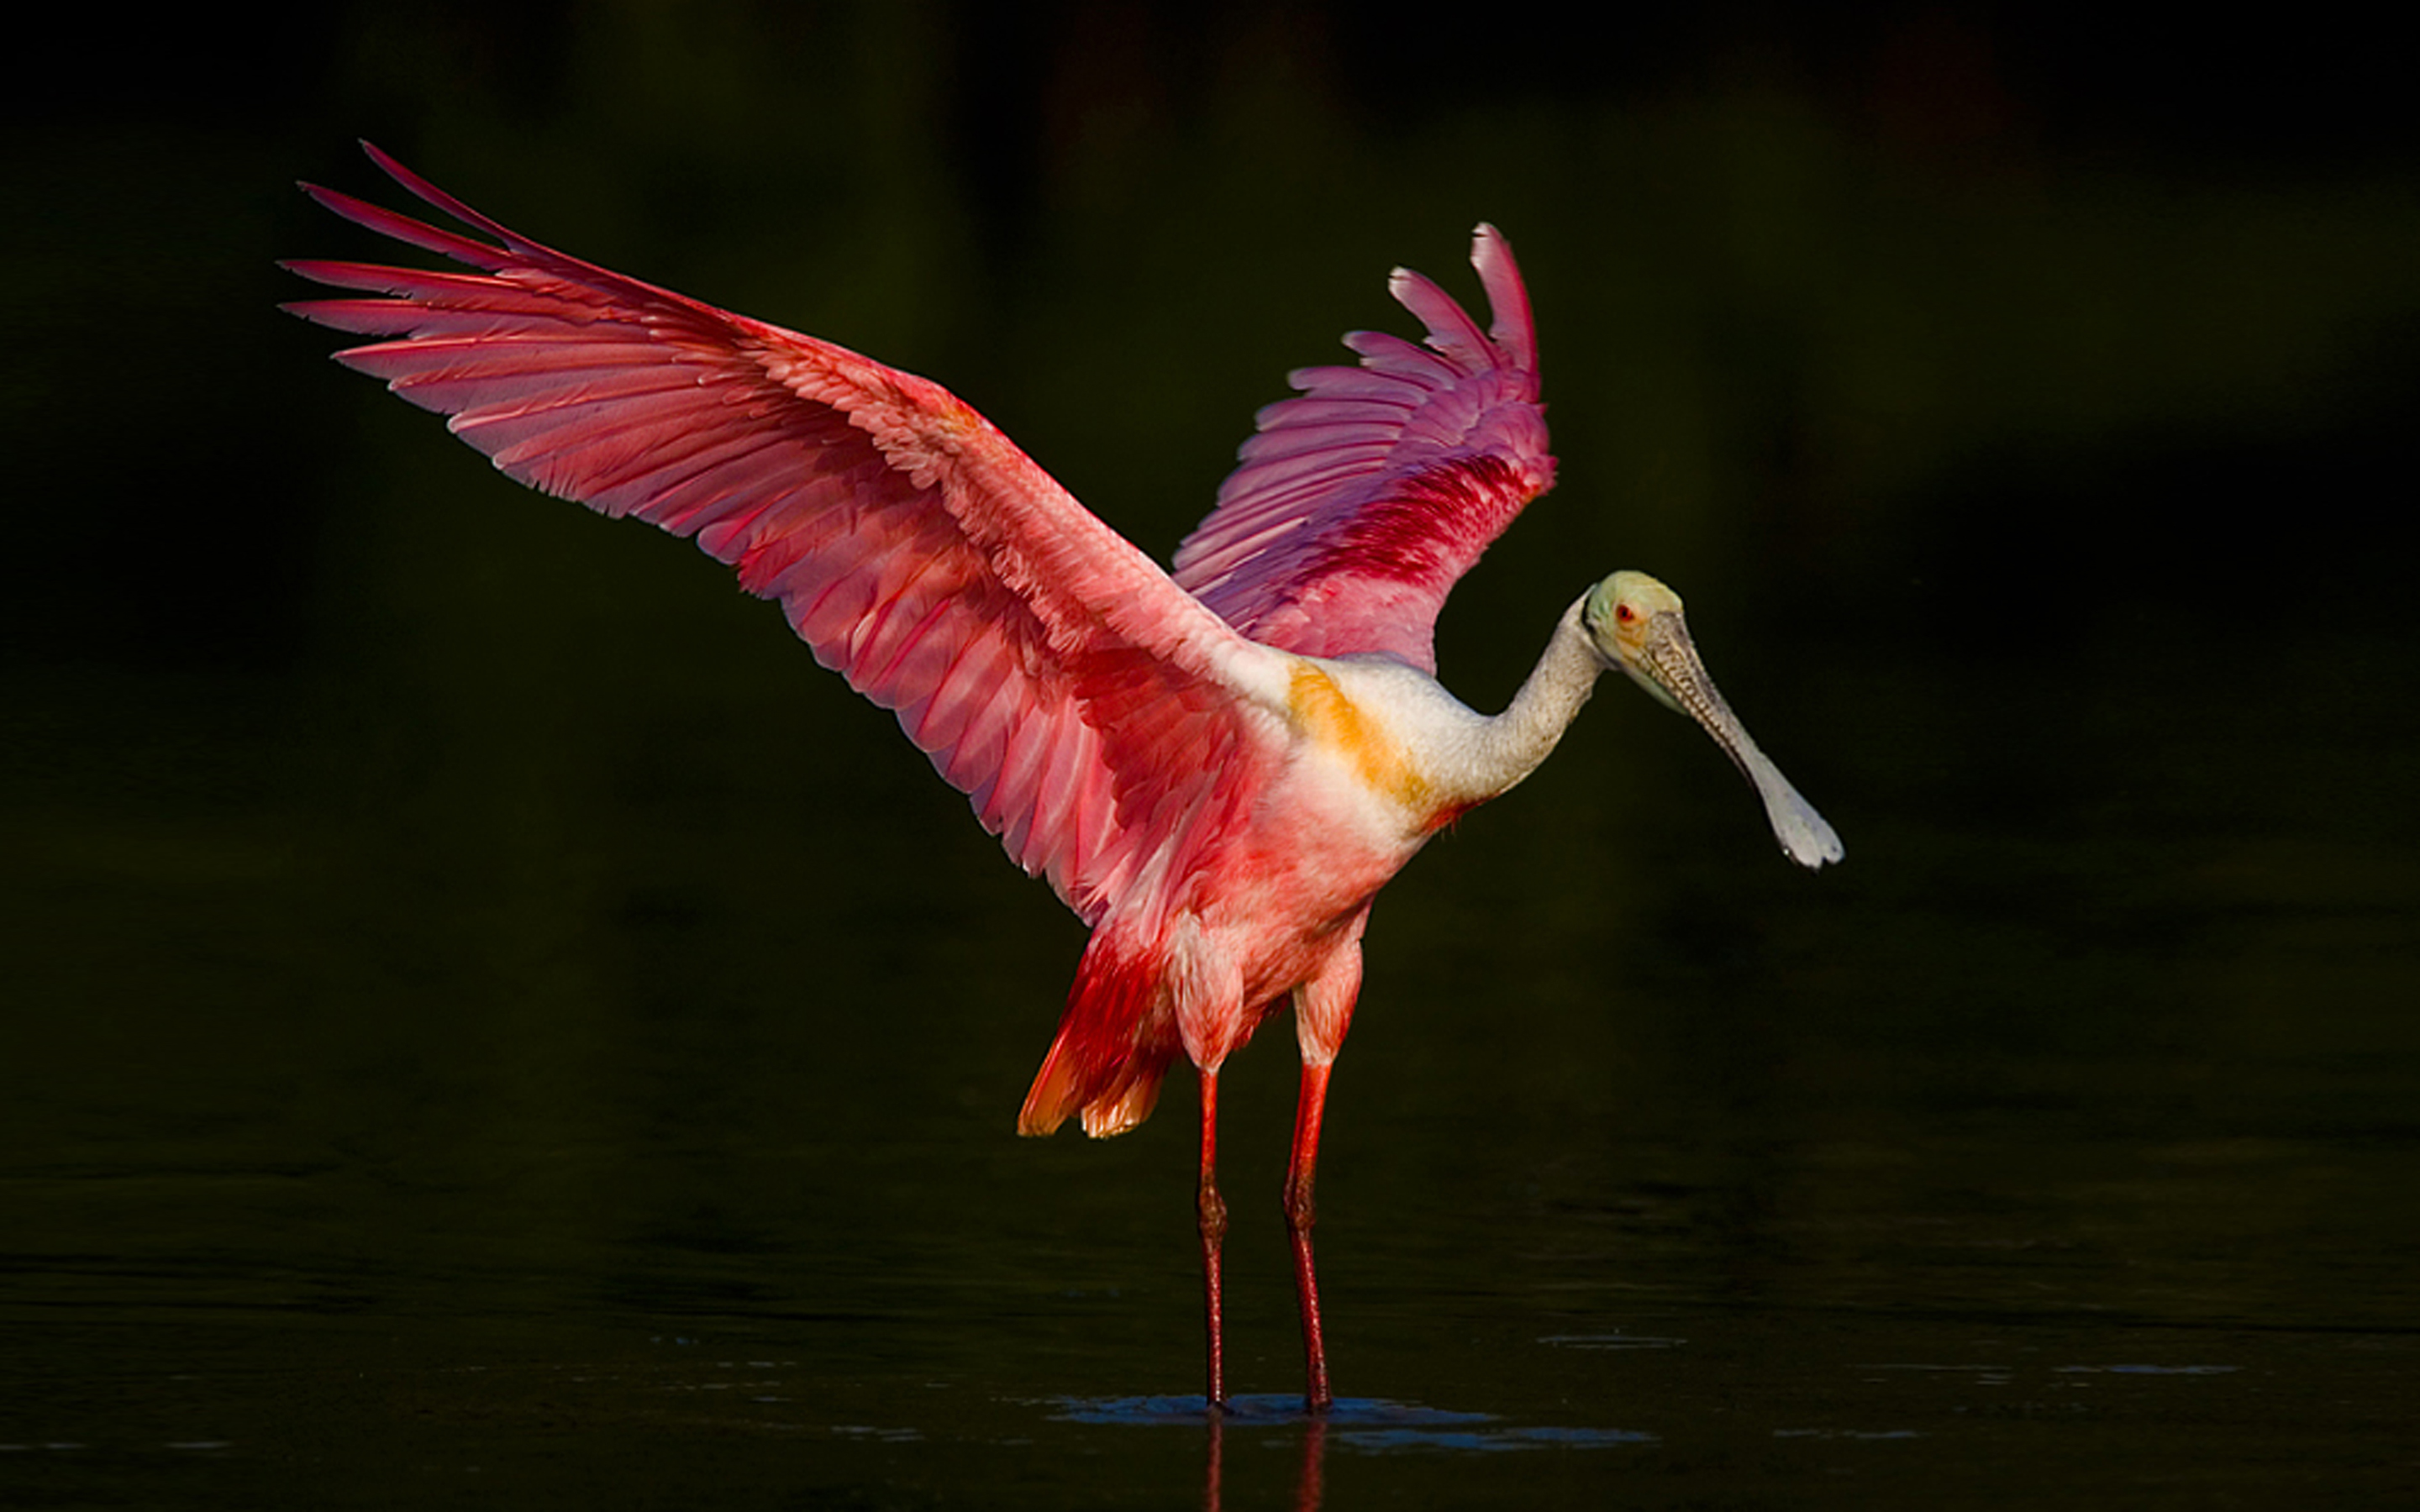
1634,622
1630,618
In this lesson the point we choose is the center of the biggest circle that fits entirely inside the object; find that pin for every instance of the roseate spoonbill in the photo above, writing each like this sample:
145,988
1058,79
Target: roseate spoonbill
1216,769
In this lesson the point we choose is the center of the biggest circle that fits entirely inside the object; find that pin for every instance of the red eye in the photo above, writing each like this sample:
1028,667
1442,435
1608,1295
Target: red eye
1624,613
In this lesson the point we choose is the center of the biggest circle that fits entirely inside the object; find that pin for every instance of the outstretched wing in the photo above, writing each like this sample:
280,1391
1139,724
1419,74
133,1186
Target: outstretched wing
1053,673
1361,500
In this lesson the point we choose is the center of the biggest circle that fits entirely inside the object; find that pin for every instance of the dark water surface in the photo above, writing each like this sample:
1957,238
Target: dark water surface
604,1094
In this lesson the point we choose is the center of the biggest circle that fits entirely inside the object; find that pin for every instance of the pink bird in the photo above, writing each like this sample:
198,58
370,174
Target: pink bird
1216,769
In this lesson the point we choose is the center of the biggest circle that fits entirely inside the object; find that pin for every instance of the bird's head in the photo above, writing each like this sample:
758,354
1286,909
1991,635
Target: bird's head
1634,622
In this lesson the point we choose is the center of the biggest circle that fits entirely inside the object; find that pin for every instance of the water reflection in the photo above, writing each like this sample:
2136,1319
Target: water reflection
1366,1424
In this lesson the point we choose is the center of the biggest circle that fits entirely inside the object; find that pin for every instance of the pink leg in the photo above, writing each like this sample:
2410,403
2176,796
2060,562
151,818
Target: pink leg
1212,1209
1323,1008
1299,1213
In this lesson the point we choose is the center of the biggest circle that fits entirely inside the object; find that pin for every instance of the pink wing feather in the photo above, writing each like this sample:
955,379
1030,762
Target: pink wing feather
1087,705
1361,500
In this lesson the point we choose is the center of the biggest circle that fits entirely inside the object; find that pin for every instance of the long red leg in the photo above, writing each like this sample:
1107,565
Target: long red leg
1300,1213
1212,1208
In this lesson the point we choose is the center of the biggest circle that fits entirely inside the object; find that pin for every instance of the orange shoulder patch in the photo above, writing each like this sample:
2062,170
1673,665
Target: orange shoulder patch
1335,723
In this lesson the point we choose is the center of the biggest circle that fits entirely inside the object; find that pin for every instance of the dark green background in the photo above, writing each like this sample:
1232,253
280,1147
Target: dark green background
480,1012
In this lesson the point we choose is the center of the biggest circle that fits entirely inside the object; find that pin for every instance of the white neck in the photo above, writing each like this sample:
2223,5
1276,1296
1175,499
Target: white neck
1502,750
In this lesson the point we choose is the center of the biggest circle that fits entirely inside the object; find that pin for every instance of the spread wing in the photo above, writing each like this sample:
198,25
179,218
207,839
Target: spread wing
1361,500
1102,721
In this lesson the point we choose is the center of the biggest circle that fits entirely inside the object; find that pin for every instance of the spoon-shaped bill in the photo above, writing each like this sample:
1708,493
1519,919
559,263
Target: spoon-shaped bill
1664,660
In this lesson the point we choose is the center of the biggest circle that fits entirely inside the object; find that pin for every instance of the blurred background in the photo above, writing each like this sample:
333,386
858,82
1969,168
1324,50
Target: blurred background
442,932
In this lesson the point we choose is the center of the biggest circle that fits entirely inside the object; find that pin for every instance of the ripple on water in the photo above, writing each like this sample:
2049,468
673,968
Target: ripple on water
1366,1423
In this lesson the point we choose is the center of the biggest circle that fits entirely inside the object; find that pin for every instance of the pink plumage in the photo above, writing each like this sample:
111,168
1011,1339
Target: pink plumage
1361,501
910,545
1220,809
